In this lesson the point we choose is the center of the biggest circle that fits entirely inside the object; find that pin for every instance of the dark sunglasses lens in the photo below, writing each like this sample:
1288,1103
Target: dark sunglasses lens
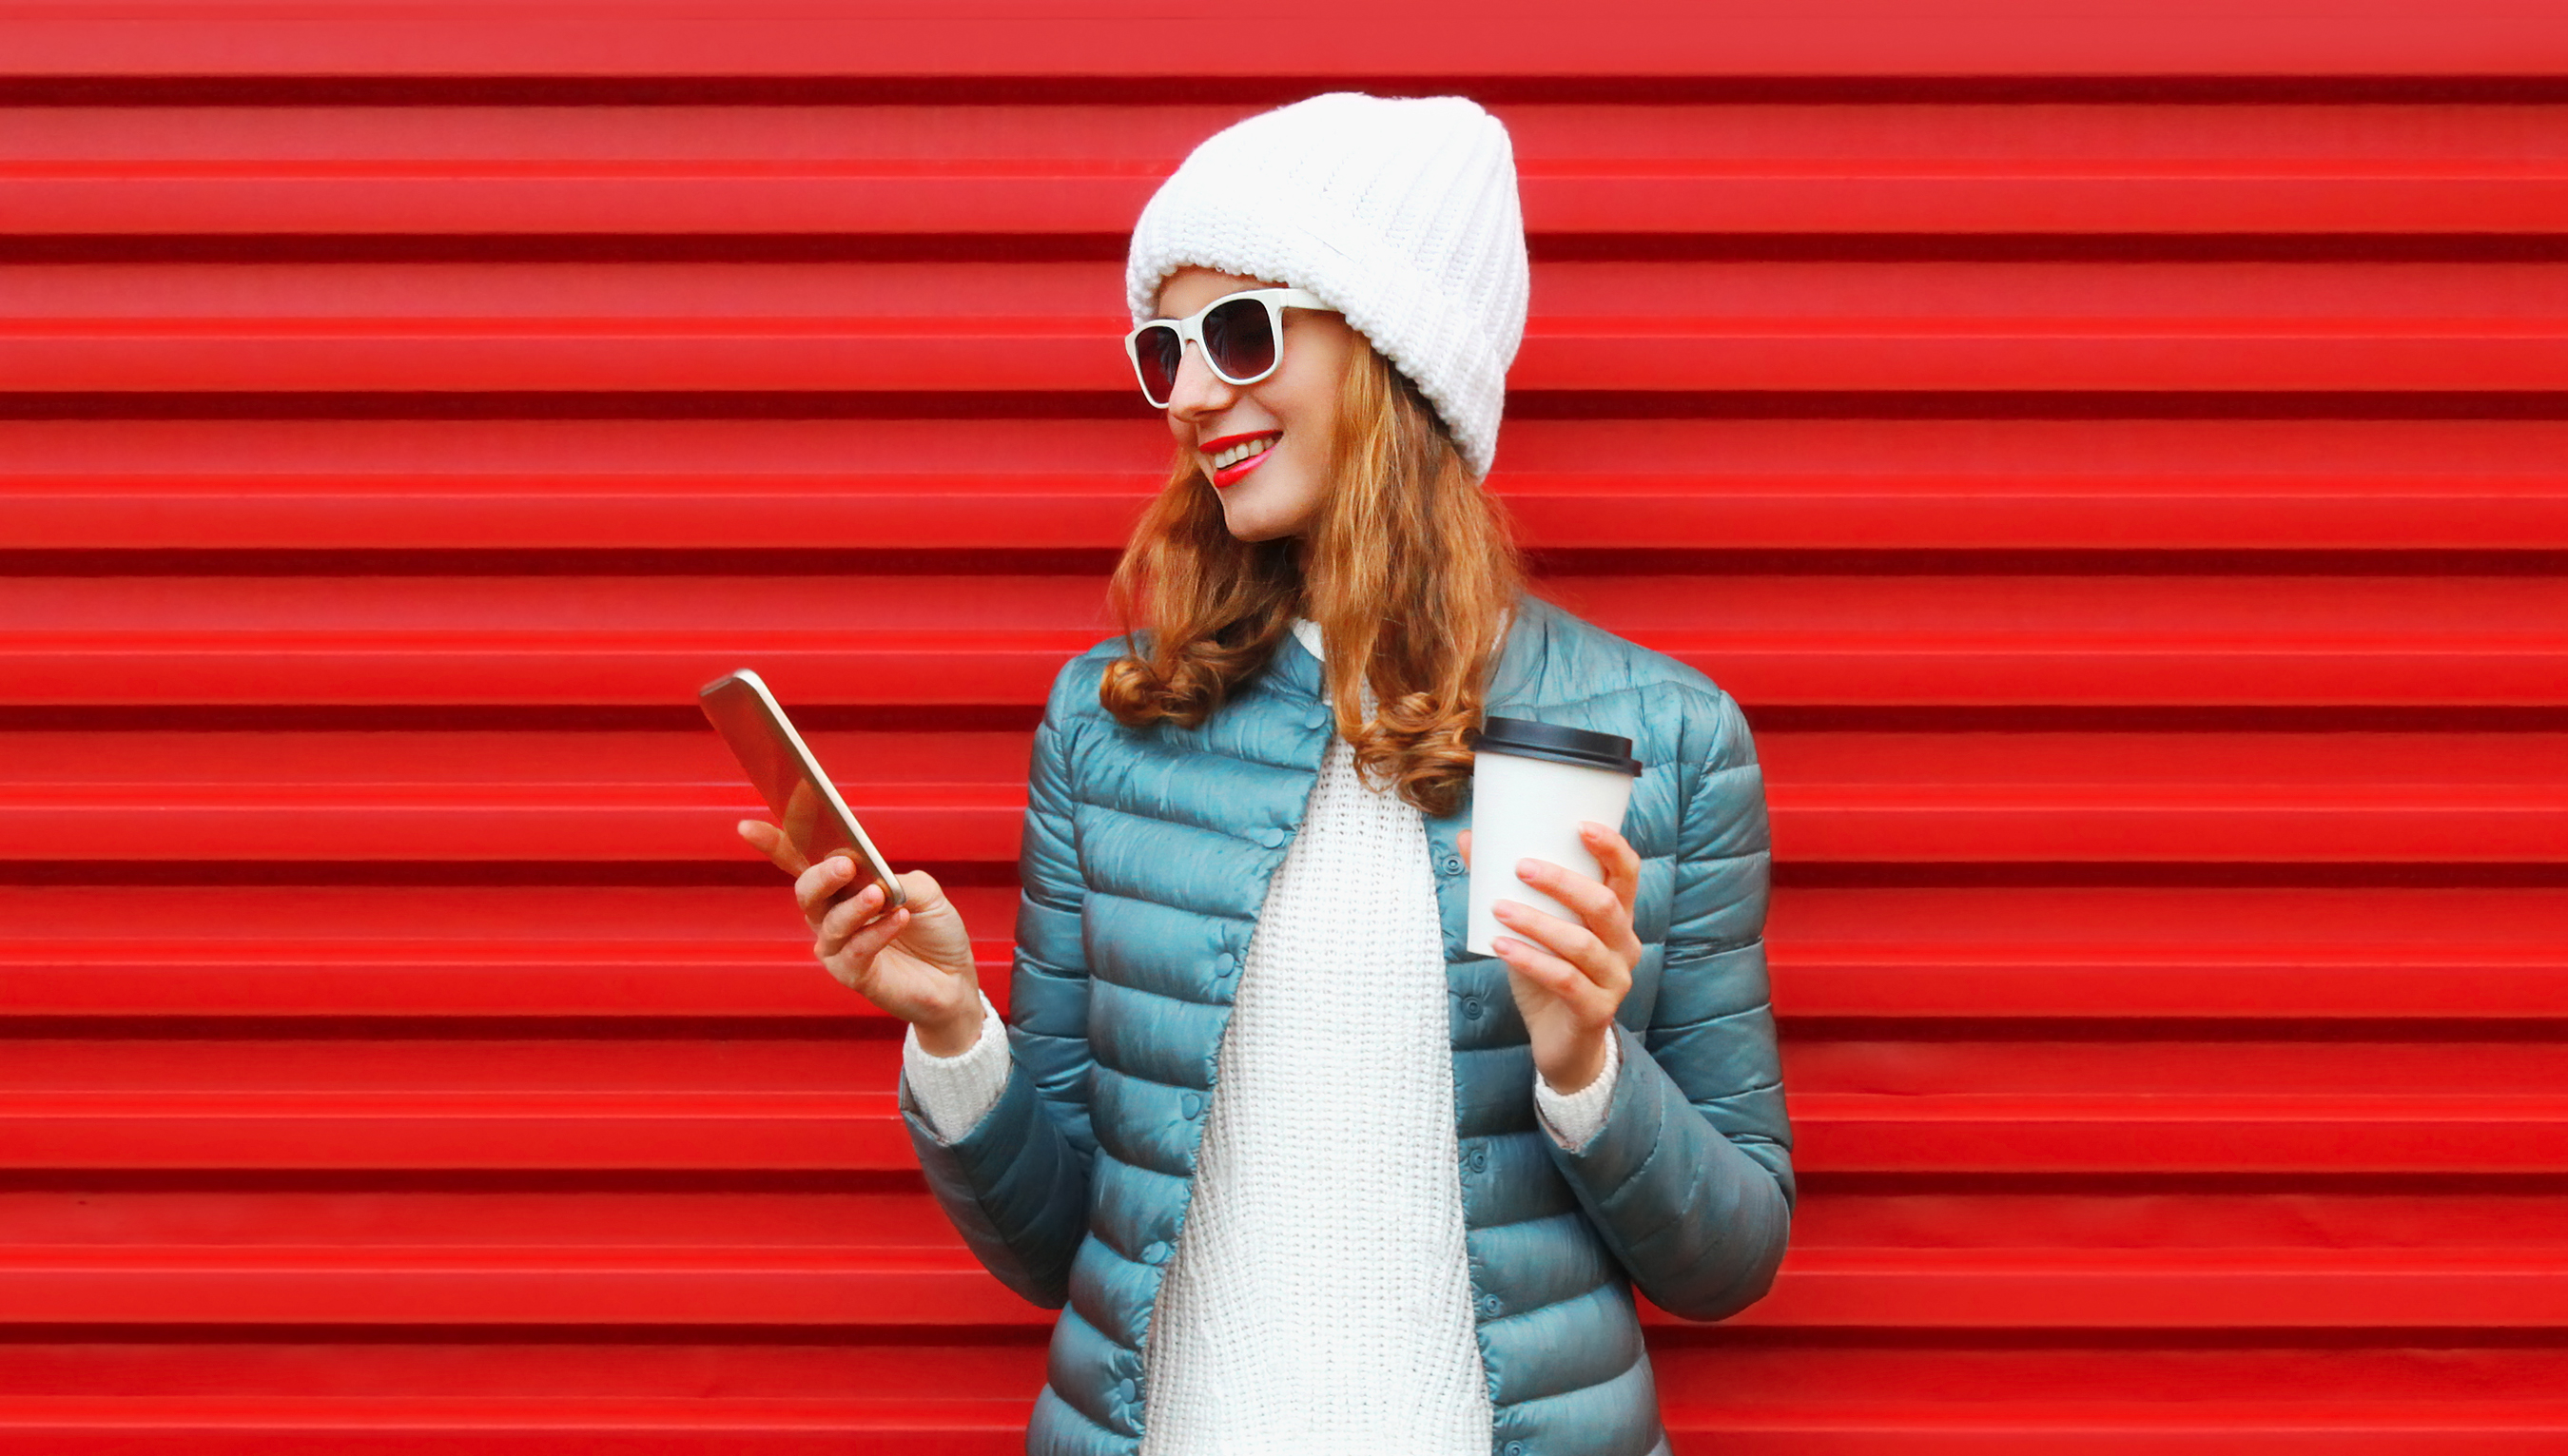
1240,339
1156,353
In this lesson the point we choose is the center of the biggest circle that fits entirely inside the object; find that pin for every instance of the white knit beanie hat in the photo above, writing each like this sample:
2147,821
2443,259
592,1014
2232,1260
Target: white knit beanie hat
1401,212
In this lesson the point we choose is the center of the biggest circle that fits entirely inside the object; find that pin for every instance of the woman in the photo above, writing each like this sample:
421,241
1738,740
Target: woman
1410,1219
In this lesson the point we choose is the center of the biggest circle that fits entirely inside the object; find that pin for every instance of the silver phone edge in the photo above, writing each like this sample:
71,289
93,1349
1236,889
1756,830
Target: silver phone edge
894,896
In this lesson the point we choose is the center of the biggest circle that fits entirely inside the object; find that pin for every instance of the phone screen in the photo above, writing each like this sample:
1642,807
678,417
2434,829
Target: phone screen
781,766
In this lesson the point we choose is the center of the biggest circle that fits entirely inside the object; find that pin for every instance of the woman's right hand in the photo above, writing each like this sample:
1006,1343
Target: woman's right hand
916,962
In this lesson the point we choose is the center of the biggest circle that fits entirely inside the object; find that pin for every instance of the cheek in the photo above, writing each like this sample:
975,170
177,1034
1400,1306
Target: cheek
1315,393
1309,410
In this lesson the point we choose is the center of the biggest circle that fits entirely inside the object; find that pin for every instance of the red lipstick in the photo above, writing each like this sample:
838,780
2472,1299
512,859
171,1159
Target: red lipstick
1224,479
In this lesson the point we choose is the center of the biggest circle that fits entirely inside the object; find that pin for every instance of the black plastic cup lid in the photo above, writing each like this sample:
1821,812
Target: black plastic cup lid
1528,739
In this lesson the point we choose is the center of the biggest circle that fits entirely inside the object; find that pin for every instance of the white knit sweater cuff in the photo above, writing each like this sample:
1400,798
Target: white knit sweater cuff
955,1092
1572,1118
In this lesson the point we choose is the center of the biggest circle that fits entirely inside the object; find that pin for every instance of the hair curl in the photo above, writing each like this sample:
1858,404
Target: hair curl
1406,569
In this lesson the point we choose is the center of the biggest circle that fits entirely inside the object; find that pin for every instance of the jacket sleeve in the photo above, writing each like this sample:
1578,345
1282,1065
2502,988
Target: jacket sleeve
1690,1180
1016,1186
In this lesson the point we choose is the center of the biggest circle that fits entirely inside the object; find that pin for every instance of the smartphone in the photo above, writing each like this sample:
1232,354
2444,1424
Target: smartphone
780,765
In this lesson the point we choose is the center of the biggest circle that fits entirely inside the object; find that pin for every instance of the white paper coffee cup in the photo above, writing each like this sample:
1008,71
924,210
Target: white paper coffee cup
1531,785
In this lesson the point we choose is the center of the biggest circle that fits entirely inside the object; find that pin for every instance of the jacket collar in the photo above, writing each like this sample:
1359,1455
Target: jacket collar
1294,667
1519,669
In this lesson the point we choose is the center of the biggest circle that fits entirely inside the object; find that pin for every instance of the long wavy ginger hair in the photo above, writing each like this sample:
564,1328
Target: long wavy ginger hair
1406,570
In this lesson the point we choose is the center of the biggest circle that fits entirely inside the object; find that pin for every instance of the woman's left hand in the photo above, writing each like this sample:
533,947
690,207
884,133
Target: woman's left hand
1569,975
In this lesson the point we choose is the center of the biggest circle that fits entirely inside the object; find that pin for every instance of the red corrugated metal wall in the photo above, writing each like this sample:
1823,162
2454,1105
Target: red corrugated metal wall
2117,460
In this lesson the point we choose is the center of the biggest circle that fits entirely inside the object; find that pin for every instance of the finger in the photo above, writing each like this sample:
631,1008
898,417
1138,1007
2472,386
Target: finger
1568,940
1621,864
769,840
812,889
861,943
861,948
842,920
919,889
1607,912
1616,856
1463,843
1594,904
1565,982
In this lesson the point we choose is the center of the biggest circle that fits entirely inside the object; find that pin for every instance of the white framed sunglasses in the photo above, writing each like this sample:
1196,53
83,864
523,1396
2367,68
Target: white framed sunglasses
1241,335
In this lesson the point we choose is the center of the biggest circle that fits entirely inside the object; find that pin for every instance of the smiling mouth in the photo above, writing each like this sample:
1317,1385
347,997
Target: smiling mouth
1223,455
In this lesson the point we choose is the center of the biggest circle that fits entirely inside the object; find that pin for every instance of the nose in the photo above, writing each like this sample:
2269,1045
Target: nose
1198,391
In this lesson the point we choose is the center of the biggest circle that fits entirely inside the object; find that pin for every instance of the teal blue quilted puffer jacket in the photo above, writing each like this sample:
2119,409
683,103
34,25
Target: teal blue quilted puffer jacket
1145,862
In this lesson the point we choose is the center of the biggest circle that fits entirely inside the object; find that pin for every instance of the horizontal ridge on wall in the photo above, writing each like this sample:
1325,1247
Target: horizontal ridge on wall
1720,172
2090,797
901,39
2338,956
1046,327
2284,485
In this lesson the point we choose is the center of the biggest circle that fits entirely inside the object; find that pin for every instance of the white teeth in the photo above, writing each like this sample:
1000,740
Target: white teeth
1244,449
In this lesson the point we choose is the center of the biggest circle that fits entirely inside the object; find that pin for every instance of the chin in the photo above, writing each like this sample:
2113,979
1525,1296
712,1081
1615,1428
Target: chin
1246,522
1253,529
1250,517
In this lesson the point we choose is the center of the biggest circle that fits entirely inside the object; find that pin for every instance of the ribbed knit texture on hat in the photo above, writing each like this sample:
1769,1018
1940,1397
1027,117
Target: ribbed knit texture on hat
1402,214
